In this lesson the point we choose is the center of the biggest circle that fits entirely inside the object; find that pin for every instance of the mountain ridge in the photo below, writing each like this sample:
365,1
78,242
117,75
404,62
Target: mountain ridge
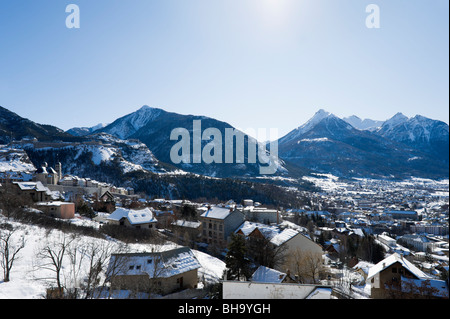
325,143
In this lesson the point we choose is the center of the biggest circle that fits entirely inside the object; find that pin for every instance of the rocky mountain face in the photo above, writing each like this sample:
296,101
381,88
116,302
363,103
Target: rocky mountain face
429,136
101,156
154,128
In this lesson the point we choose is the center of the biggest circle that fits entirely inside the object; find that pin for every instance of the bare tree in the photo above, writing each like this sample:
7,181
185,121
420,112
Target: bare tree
305,265
10,246
98,255
51,257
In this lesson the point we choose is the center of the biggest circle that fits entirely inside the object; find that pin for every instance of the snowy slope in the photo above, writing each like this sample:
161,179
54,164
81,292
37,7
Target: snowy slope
14,160
101,148
29,281
126,126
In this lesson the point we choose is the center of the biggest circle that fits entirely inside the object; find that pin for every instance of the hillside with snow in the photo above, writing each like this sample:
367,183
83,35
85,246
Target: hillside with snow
31,275
14,160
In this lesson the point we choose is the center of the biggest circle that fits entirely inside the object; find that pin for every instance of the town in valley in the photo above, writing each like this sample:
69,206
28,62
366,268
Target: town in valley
351,238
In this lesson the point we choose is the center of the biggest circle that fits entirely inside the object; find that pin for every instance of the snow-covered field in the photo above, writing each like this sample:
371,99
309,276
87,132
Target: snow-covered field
28,280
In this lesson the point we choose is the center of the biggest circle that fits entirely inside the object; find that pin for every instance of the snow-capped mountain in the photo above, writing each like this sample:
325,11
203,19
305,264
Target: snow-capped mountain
83,131
154,126
303,129
128,125
366,124
329,144
140,142
422,133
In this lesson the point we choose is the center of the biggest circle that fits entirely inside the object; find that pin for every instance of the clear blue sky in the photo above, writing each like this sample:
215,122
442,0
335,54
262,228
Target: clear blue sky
251,63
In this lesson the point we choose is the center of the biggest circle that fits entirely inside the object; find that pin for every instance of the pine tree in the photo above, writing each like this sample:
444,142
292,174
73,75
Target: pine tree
236,261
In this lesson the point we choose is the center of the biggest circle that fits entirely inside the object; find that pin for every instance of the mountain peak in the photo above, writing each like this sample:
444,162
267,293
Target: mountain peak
395,120
318,117
145,107
321,114
399,116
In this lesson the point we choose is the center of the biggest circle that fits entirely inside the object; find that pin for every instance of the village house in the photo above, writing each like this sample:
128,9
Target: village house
288,240
187,231
106,203
418,242
261,215
395,275
36,191
143,218
154,272
218,224
57,209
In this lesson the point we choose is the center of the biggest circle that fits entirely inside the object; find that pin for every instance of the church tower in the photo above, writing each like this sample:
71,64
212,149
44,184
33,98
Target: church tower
58,168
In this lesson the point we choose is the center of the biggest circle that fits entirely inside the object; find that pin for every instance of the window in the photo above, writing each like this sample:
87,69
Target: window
149,261
131,267
138,267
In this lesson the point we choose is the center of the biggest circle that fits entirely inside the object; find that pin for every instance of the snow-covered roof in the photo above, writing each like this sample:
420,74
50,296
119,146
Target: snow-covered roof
275,234
142,216
268,275
395,257
56,203
157,265
284,236
217,212
37,186
268,231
